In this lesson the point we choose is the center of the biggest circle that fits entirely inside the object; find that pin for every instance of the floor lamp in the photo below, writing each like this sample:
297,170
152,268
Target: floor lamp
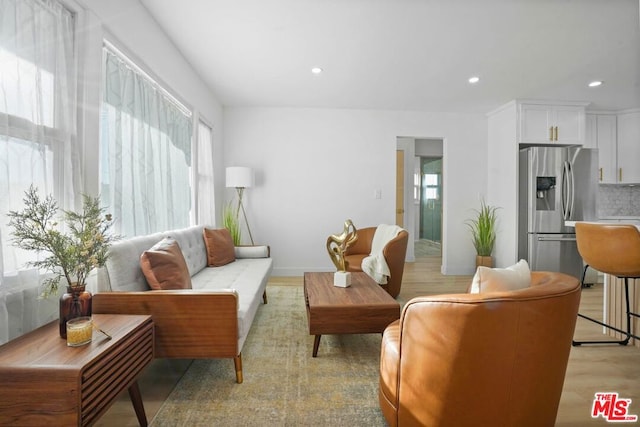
240,178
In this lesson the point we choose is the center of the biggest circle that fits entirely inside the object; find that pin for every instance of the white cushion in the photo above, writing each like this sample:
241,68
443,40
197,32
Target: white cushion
261,251
248,278
517,276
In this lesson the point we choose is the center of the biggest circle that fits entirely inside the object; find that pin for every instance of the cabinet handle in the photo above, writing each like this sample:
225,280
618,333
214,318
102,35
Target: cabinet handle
620,174
600,174
556,133
551,133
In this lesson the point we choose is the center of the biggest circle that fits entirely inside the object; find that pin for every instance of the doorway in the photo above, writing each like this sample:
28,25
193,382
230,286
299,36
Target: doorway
431,191
409,177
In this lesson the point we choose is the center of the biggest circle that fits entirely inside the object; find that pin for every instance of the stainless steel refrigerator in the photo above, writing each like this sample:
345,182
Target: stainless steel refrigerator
556,184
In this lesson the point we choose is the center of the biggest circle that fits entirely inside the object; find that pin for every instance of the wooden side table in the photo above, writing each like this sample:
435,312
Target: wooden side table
45,382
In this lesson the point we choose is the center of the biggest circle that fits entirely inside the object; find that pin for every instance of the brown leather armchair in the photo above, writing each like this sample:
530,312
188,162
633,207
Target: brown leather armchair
394,253
494,359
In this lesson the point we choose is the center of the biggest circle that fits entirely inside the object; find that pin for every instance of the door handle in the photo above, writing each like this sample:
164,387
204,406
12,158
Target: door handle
573,192
566,191
556,239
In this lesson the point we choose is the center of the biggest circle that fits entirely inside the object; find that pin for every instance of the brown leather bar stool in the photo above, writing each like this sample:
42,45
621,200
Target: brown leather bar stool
612,249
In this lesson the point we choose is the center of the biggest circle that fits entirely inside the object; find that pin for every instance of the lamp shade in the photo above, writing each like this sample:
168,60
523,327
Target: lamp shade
239,177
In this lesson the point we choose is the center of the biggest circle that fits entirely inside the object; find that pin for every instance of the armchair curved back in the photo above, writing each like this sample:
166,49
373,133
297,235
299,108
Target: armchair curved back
480,359
394,253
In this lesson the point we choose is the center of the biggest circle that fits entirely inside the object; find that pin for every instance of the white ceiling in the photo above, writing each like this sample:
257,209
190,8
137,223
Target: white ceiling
409,54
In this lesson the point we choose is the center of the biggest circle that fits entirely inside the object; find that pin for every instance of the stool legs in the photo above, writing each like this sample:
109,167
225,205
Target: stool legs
627,333
584,275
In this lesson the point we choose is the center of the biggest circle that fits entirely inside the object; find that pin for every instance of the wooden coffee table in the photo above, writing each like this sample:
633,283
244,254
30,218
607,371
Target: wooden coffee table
362,308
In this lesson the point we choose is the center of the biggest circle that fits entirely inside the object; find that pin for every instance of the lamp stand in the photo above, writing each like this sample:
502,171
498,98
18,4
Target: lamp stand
240,191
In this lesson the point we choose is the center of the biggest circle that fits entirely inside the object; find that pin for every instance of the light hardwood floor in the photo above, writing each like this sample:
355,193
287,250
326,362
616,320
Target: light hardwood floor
591,369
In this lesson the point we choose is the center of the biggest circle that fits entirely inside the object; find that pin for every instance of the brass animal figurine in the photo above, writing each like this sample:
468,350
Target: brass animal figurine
337,245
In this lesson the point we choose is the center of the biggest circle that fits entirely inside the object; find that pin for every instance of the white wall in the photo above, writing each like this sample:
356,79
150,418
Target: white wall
128,25
429,148
503,182
317,167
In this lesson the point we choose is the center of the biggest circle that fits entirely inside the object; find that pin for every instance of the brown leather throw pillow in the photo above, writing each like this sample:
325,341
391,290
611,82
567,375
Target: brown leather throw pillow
220,248
164,266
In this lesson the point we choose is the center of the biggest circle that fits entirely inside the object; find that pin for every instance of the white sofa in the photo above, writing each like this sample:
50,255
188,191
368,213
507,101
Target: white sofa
210,320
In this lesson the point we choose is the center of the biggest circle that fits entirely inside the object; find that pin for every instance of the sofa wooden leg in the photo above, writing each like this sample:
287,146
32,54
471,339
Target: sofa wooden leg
264,296
237,361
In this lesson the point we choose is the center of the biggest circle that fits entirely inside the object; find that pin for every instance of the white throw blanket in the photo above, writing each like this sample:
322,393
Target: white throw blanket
375,265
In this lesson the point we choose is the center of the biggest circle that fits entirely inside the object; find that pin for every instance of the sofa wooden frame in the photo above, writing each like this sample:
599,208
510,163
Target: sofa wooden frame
183,321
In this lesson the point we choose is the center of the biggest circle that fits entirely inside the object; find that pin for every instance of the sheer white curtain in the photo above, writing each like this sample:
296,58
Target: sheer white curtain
37,141
205,201
145,152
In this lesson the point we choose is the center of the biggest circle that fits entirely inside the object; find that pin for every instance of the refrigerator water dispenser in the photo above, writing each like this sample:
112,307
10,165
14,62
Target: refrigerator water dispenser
545,193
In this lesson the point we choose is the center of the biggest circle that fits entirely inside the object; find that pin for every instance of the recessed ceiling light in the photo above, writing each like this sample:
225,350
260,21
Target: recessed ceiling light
316,70
474,79
595,83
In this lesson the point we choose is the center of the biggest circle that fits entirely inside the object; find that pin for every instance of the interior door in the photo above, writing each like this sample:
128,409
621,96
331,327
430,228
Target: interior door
400,188
431,199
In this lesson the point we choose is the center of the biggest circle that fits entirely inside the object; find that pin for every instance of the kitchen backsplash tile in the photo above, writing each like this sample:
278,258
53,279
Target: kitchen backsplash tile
618,200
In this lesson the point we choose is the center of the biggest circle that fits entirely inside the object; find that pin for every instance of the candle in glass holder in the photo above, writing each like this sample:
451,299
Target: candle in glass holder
79,331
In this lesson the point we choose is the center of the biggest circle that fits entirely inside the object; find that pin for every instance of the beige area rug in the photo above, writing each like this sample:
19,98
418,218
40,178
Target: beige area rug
283,385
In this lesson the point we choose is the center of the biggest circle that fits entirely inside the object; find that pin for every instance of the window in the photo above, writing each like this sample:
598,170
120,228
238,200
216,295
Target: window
30,94
205,211
145,139
37,112
430,181
37,141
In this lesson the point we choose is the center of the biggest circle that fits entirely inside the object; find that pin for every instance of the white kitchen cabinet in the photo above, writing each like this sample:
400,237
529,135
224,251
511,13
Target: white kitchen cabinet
590,130
601,133
543,123
628,153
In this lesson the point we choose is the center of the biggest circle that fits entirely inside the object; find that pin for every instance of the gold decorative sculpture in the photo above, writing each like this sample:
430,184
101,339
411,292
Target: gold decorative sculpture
338,244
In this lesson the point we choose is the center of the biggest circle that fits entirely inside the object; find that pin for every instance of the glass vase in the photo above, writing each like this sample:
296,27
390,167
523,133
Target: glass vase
76,302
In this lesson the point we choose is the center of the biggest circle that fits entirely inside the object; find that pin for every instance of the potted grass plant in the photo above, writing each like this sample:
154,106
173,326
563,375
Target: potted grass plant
231,223
483,232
